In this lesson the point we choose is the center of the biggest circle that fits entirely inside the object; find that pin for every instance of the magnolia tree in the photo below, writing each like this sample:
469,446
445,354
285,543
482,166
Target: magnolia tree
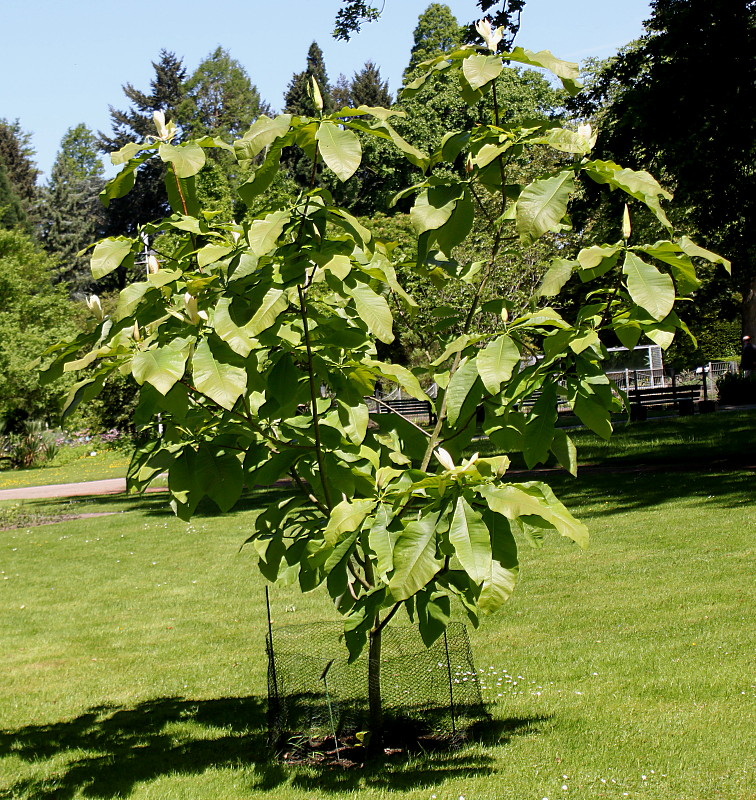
255,344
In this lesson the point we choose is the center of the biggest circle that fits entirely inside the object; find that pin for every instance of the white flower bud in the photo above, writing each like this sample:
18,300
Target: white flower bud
94,305
191,308
444,458
153,265
627,228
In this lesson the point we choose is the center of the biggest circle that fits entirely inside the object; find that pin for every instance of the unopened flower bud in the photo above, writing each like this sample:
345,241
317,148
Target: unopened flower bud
94,305
191,308
153,265
444,458
627,228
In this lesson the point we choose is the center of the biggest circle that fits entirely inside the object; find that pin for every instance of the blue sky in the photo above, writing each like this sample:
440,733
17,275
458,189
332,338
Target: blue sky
64,63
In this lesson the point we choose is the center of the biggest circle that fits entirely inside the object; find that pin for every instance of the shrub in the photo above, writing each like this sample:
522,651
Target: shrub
737,390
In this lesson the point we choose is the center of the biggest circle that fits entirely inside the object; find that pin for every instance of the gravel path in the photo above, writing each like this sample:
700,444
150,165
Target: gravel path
109,486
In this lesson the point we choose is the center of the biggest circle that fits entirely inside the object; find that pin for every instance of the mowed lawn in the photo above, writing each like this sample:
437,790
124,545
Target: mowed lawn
133,660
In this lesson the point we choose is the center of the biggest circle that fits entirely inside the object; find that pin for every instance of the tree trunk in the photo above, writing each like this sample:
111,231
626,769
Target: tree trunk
375,704
749,309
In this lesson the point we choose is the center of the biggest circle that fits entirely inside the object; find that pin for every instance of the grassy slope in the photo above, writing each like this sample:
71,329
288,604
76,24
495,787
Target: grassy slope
133,662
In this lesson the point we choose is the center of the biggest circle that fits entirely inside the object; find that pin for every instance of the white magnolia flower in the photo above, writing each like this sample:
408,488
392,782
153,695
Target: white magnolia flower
153,265
166,130
135,333
444,458
490,36
94,305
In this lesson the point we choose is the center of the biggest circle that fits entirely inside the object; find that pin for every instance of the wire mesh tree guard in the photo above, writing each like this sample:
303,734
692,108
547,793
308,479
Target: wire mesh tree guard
431,695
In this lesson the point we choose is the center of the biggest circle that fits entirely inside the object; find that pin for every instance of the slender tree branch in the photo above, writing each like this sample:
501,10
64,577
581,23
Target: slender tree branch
300,483
399,414
356,575
388,617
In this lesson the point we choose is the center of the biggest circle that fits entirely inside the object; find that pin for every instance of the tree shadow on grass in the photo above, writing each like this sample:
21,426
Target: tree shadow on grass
106,751
111,749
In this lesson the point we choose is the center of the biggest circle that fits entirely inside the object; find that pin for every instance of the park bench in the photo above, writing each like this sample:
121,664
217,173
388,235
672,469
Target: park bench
681,397
410,408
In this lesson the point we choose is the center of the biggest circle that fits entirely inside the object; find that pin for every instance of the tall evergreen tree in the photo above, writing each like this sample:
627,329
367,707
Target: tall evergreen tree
220,99
367,88
12,214
17,157
437,32
682,103
298,99
72,215
148,201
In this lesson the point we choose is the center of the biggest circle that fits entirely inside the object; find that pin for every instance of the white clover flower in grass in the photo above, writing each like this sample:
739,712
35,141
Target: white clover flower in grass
490,36
94,305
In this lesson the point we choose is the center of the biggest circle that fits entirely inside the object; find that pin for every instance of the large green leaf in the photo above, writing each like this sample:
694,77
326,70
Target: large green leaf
263,133
187,159
683,270
434,207
567,71
415,561
160,367
223,383
565,451
459,387
400,375
480,70
496,362
534,499
557,276
211,253
539,430
469,536
381,542
263,176
237,338
220,476
374,311
593,415
110,254
637,183
263,233
345,517
693,250
652,290
542,206
340,149
272,305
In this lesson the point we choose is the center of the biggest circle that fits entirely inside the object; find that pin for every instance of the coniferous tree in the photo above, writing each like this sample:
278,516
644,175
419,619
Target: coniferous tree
367,88
72,215
298,97
12,214
299,100
17,157
437,32
148,200
220,99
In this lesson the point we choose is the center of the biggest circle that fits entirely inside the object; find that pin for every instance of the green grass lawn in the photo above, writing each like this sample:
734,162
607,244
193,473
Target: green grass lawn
133,662
72,464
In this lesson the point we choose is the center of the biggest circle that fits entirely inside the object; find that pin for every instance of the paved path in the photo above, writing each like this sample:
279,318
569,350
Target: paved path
109,486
